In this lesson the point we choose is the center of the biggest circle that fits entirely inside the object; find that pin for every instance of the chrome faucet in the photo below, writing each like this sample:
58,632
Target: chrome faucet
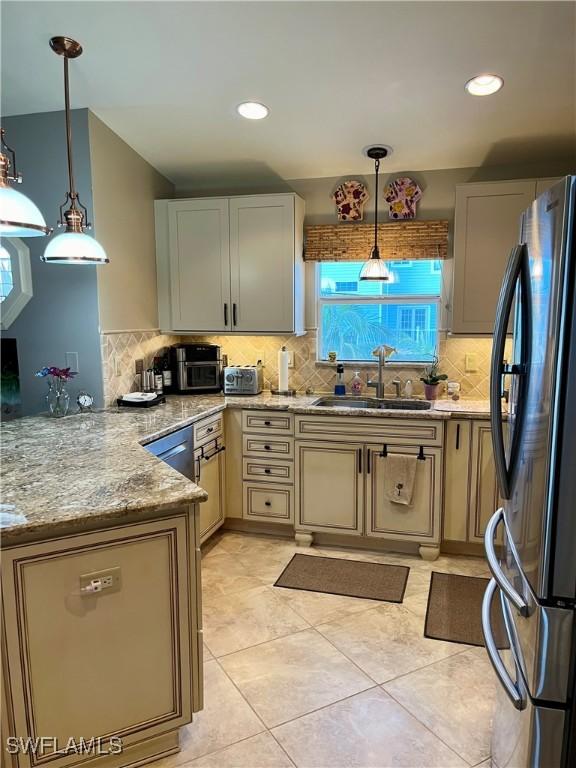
382,352
397,384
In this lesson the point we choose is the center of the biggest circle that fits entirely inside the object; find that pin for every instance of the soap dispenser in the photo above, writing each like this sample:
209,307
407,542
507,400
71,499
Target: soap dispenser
356,384
340,388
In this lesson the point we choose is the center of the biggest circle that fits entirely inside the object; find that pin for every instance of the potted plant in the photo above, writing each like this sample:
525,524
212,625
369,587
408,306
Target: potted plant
432,379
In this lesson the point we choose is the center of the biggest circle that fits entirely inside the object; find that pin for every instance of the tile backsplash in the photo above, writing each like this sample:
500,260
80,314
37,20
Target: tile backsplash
119,354
308,374
121,350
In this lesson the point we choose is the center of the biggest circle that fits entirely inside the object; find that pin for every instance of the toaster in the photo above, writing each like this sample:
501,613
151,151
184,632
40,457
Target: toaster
243,380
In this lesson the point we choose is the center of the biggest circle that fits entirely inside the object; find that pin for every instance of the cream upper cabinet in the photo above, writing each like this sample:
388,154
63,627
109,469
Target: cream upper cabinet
419,521
262,263
486,228
330,486
198,234
231,265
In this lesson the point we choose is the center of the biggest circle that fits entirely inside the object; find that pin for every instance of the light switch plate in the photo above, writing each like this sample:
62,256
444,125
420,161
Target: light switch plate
71,361
471,362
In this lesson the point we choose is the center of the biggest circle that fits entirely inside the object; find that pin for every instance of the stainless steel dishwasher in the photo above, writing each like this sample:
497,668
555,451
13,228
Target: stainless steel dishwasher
177,450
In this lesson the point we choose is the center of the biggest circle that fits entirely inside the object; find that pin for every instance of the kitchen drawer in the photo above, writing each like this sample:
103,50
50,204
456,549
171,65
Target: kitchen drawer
208,429
266,502
272,471
258,446
267,422
371,430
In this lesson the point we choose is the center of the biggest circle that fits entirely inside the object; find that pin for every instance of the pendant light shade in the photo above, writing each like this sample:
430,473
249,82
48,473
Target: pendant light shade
375,268
73,246
19,216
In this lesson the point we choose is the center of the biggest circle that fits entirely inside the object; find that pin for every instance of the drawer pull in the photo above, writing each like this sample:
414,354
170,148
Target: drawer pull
267,423
209,430
267,447
267,471
268,503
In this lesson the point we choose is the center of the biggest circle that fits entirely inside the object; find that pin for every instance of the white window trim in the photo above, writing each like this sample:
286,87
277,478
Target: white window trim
21,292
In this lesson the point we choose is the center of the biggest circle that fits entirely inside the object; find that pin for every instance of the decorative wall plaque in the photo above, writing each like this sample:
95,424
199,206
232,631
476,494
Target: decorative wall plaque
350,197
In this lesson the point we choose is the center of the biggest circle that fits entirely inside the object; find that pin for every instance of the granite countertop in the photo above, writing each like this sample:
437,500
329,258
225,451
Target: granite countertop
61,474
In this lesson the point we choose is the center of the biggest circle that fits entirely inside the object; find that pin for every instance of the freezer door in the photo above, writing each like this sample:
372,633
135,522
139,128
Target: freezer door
542,635
524,734
541,457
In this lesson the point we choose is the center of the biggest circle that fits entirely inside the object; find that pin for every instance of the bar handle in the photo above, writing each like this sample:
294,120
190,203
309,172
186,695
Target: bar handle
234,314
489,537
513,691
225,314
360,451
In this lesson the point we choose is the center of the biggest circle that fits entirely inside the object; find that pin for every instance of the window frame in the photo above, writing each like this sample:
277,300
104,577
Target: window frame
411,299
21,292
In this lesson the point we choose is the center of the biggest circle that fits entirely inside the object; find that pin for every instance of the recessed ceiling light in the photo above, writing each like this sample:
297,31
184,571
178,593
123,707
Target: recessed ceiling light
252,110
484,85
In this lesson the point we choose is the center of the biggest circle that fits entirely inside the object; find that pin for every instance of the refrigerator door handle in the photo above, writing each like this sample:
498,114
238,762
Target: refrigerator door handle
489,537
513,690
498,369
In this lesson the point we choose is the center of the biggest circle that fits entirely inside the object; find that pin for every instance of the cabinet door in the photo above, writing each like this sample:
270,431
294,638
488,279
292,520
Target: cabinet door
389,520
486,227
114,663
210,477
484,498
199,265
457,480
330,486
262,263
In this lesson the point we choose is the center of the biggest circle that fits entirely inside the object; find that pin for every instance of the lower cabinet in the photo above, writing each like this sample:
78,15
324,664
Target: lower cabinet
421,519
123,662
330,486
210,476
268,467
471,488
340,488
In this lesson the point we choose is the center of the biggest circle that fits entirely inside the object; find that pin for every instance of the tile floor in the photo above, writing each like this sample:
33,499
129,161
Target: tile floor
303,679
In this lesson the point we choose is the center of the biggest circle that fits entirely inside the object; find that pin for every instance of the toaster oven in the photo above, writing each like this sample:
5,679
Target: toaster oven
197,368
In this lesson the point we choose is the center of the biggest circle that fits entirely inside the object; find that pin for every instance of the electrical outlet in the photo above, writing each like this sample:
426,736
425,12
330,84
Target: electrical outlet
139,366
471,362
291,359
117,366
99,581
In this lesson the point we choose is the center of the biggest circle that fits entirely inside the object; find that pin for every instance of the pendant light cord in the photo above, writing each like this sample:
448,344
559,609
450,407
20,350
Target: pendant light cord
73,194
376,252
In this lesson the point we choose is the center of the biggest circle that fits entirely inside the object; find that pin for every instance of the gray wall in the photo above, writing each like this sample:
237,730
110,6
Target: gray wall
62,315
438,186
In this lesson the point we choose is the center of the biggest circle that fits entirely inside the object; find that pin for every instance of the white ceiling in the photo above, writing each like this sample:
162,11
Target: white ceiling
337,76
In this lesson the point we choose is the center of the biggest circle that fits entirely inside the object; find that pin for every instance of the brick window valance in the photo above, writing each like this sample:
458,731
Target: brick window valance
397,240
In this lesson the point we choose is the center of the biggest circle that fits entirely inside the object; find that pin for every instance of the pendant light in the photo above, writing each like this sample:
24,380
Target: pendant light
73,246
19,216
375,268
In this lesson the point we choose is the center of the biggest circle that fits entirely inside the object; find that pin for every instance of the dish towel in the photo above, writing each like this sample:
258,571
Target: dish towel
399,475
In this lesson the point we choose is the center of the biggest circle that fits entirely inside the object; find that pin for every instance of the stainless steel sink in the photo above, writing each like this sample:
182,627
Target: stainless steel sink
372,403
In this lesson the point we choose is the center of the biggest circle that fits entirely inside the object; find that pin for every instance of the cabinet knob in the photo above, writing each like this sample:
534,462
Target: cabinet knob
267,471
267,448
268,503
210,429
267,423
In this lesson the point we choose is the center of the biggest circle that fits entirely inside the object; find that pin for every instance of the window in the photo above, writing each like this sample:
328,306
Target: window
6,279
355,317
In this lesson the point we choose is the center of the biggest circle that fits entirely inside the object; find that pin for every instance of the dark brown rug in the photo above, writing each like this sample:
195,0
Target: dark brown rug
454,611
353,578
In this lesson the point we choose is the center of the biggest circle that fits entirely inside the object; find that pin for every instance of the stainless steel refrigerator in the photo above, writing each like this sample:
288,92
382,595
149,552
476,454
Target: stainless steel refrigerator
531,541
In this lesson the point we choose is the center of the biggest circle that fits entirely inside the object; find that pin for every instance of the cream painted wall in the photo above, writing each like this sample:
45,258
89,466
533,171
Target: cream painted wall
124,188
